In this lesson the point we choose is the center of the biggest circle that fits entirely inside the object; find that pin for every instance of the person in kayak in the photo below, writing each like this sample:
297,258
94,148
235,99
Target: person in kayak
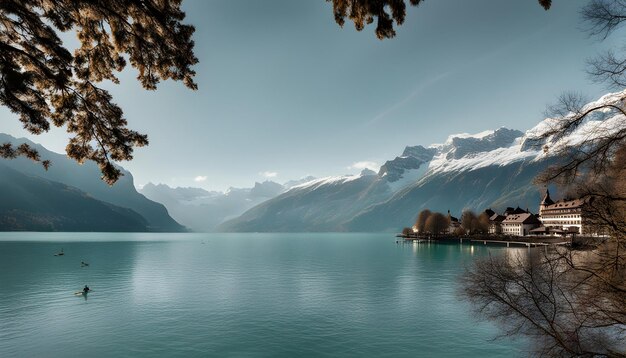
86,290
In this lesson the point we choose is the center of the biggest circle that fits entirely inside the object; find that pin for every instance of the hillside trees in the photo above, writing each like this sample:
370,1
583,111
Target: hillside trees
44,83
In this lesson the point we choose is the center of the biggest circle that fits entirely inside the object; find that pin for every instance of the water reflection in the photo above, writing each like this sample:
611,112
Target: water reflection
242,295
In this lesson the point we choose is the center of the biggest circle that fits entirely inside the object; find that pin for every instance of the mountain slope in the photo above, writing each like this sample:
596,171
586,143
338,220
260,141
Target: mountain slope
320,205
36,204
333,204
494,169
492,186
86,178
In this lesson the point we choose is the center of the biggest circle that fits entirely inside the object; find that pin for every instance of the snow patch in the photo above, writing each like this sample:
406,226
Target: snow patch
333,180
499,157
408,177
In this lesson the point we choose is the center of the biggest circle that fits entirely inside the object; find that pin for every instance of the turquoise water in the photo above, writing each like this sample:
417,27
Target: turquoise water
236,295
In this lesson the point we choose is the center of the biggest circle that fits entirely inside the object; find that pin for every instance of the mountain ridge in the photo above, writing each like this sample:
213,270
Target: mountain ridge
203,210
31,203
86,178
494,168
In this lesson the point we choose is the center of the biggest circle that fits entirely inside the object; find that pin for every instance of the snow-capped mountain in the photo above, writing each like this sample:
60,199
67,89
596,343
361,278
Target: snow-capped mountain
318,205
411,159
291,183
493,168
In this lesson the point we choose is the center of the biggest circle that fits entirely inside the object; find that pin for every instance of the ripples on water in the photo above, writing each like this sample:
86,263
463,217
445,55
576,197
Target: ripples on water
237,295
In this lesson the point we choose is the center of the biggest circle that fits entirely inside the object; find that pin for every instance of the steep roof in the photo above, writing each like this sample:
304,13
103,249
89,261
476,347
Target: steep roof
497,218
511,211
567,204
525,218
452,218
546,199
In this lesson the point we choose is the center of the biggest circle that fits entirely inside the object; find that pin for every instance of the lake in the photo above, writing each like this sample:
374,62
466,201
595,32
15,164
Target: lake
239,295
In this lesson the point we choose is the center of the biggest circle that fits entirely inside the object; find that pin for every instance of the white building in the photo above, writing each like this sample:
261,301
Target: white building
566,215
519,224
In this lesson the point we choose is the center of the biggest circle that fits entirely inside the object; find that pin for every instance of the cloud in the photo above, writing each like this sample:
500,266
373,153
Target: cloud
269,174
364,164
200,178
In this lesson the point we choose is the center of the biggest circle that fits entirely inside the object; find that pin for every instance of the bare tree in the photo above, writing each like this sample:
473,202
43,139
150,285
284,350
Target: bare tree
483,223
469,221
437,224
420,222
566,306
570,303
573,303
474,224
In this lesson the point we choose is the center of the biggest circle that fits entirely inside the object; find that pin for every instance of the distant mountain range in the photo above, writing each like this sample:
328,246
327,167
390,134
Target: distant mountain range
493,169
490,169
202,210
74,199
390,199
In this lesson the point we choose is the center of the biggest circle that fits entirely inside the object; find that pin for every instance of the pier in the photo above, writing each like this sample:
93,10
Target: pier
513,241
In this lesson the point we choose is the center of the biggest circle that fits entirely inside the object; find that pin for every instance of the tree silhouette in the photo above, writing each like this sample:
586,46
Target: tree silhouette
363,12
469,221
420,222
568,302
43,82
437,224
573,303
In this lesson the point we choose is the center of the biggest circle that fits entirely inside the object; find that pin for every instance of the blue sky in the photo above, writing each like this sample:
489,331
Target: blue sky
284,92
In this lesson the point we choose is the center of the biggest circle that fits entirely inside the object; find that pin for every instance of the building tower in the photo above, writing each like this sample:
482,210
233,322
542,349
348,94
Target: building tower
545,202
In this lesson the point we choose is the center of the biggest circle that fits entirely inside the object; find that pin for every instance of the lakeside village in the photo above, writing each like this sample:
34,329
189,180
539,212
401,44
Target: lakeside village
560,222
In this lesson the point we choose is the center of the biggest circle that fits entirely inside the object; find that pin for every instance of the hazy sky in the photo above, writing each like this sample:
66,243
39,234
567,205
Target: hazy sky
284,92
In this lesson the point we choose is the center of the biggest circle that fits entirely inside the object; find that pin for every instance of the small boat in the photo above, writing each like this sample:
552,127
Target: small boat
61,253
